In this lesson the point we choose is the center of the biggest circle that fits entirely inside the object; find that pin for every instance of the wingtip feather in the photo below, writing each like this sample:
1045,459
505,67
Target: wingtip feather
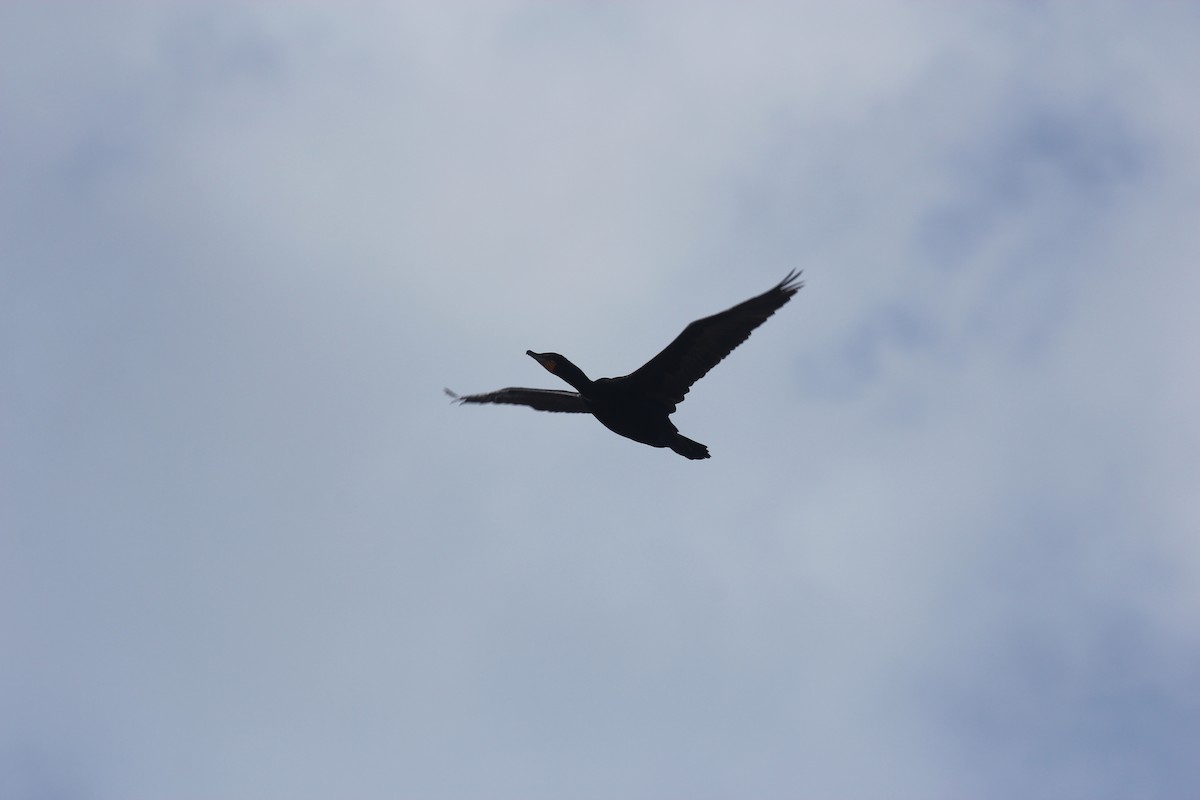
791,282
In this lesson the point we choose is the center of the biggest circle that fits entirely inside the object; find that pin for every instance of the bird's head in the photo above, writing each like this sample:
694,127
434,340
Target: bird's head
563,369
551,361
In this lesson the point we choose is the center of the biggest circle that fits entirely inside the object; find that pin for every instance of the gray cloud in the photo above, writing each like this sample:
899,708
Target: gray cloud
945,546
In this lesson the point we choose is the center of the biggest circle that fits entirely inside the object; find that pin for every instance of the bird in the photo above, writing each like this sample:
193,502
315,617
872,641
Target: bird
638,405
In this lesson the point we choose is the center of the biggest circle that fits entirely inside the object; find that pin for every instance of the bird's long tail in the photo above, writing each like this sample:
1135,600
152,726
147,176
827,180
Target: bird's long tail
687,448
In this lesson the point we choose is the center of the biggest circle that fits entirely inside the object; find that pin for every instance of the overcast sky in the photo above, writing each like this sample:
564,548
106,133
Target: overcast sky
948,543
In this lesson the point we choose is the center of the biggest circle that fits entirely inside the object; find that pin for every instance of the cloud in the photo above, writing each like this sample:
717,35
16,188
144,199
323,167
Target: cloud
248,548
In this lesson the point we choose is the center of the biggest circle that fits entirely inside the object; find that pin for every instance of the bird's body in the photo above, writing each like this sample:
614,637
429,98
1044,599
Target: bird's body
638,405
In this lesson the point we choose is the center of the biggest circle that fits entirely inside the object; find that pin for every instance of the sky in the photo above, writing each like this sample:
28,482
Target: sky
948,543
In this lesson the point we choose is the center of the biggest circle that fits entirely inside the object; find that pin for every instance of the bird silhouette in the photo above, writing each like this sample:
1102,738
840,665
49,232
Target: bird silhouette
638,405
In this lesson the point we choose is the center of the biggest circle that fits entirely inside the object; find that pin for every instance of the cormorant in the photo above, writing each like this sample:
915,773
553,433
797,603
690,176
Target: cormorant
637,405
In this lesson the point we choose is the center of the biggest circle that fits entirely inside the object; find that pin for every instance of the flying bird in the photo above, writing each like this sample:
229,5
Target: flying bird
638,405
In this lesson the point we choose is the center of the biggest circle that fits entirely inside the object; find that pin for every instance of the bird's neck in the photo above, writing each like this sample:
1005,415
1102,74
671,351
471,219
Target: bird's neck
574,376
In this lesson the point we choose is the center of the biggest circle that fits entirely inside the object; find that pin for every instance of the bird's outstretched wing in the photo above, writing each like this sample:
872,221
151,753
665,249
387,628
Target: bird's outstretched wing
541,399
705,342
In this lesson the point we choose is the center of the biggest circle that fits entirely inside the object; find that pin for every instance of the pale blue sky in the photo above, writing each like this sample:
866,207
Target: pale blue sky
948,544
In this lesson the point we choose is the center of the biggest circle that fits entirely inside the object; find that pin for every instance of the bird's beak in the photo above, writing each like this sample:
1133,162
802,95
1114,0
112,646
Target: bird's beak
543,359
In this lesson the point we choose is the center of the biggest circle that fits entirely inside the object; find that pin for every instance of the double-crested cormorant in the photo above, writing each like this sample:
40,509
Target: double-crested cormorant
638,405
